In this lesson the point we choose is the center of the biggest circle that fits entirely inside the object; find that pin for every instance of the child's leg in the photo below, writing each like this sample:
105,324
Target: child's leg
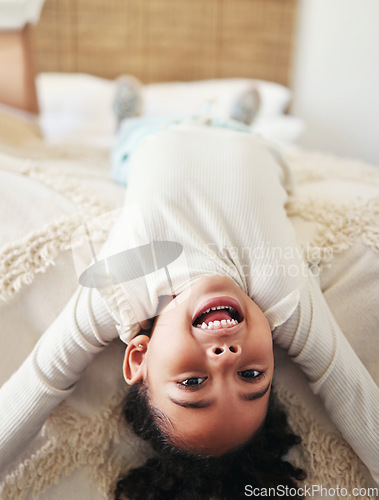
134,130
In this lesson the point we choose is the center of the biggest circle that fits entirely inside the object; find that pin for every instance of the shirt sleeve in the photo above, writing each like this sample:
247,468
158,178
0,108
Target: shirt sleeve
50,372
315,342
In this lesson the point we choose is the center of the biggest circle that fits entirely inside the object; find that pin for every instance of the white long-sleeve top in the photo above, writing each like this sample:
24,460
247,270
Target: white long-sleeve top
220,194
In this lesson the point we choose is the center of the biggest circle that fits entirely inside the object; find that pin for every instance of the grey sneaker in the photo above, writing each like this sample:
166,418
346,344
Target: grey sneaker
127,101
246,106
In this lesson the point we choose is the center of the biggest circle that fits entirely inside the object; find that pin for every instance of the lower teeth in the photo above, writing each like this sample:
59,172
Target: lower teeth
214,325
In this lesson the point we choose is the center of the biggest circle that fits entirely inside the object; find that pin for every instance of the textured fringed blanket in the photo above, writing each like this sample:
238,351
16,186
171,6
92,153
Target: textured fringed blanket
46,193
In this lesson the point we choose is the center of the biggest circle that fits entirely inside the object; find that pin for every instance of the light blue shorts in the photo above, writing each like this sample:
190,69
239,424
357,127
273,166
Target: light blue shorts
133,130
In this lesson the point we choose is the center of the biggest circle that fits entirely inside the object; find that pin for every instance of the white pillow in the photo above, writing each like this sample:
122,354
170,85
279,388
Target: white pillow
280,128
76,108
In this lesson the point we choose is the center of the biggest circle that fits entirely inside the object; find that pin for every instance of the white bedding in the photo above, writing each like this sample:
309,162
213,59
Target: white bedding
77,108
43,188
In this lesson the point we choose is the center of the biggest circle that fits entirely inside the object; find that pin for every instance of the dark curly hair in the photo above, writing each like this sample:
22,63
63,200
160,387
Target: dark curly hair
176,474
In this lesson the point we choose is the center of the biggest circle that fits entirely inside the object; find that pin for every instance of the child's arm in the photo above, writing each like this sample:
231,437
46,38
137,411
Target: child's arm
314,340
50,372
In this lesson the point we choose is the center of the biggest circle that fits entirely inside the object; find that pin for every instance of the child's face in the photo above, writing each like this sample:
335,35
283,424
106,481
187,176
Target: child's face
212,383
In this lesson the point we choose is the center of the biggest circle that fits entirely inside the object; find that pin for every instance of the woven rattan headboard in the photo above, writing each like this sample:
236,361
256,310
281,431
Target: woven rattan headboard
166,40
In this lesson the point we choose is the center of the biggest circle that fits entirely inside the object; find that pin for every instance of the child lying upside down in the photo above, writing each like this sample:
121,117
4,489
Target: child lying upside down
202,367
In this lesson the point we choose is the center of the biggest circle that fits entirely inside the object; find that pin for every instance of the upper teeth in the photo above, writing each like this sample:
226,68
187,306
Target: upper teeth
216,308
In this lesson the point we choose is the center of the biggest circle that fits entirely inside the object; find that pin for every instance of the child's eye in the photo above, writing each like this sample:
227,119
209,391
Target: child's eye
193,382
250,374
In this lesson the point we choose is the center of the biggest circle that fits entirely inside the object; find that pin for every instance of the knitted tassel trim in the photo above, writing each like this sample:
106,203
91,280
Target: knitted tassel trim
339,226
22,260
73,441
310,167
319,450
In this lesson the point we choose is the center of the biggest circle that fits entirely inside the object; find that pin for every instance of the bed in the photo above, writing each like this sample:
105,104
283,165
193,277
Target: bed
55,175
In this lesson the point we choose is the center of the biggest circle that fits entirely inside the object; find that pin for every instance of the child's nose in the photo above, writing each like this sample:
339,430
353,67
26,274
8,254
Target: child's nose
224,353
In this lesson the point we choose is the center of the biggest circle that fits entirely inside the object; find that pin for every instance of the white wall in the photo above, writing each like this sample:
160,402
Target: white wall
336,76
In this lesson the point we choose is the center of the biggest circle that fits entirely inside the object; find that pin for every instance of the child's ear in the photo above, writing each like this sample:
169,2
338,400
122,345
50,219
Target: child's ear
134,357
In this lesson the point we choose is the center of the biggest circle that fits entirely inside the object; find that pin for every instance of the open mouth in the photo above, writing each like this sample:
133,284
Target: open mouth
218,317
